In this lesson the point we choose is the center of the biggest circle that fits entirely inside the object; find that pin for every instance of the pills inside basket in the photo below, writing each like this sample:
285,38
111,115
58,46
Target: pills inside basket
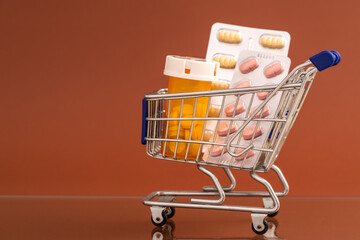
253,69
273,70
227,41
248,66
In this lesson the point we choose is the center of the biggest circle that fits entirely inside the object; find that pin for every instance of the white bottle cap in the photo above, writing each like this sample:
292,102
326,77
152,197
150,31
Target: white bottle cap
191,68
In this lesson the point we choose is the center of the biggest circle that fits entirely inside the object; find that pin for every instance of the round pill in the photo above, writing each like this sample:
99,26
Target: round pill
229,111
249,66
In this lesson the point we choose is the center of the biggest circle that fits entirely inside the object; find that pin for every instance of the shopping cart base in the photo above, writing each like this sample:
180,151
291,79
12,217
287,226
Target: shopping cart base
164,207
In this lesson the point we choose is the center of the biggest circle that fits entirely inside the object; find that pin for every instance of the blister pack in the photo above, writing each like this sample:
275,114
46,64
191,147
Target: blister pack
253,68
227,41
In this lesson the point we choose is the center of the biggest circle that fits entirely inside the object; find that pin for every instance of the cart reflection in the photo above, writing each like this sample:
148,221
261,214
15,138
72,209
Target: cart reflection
166,232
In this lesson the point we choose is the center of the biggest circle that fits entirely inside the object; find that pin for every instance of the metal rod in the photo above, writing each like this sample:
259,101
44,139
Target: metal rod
225,188
219,189
214,93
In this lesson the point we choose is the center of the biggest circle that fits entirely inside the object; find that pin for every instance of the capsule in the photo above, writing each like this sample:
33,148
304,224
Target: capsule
265,113
249,66
174,114
240,108
187,109
181,147
242,156
216,150
248,133
223,129
272,42
245,84
197,132
194,150
186,124
219,85
228,36
173,131
273,70
225,61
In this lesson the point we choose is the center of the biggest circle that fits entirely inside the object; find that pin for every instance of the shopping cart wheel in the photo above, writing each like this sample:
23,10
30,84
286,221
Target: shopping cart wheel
273,214
260,229
170,212
159,220
268,203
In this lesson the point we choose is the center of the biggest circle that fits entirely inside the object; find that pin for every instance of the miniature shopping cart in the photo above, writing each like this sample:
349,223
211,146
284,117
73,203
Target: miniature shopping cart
293,90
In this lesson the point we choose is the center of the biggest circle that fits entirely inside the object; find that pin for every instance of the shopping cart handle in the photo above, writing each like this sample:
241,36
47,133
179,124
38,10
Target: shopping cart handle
144,124
325,59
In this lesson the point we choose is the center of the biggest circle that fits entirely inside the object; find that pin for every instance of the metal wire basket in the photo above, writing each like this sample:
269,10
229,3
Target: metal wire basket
156,120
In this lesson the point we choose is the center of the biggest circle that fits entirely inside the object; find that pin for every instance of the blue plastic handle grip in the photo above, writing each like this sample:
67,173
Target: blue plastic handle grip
144,123
325,59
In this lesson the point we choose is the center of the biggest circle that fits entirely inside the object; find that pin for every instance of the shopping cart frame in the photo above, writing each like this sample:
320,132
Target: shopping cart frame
294,88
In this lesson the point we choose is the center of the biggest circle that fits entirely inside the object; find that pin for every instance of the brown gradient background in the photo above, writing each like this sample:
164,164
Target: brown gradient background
73,74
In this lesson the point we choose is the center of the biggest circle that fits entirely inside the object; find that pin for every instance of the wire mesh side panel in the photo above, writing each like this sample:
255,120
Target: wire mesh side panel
188,128
294,100
177,128
154,129
249,139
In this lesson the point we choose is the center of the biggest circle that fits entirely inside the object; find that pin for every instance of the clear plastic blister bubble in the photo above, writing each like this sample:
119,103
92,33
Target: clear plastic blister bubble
272,41
227,44
226,61
230,40
273,69
229,36
257,131
248,65
220,84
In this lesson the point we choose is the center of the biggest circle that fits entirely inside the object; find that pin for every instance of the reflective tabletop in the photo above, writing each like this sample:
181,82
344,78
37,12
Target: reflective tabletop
87,217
